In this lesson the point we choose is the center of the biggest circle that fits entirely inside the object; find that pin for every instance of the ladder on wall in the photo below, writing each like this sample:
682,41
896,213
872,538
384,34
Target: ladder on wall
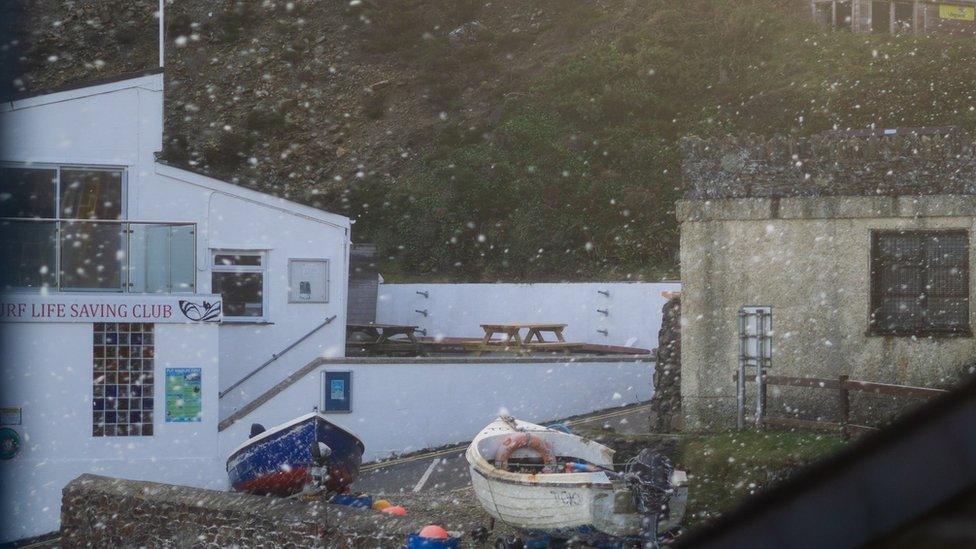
755,358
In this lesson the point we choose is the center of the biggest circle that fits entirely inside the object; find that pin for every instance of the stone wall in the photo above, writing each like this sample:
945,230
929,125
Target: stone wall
666,404
106,512
910,162
809,259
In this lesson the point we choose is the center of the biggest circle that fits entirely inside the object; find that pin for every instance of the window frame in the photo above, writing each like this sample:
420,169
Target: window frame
123,194
876,293
261,269
58,220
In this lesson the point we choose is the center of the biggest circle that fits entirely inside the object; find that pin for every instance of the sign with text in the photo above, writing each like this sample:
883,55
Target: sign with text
957,13
158,309
184,398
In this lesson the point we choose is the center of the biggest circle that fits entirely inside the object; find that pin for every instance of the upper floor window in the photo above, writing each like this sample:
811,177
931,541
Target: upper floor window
239,278
60,192
920,283
61,228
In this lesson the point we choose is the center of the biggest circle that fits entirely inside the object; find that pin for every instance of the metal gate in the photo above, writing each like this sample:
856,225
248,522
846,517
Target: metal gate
755,358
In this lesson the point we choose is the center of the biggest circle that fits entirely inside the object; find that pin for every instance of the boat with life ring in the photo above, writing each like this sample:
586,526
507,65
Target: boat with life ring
546,481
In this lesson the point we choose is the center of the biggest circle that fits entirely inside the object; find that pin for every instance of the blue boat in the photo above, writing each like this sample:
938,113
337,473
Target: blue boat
279,461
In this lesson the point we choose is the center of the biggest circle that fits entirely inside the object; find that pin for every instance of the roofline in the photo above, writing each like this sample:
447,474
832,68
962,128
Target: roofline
203,180
83,84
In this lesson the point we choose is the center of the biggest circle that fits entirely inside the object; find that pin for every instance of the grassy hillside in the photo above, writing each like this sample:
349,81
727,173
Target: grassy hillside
503,140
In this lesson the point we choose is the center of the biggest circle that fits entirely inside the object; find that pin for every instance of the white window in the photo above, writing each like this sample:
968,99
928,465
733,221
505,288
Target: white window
240,277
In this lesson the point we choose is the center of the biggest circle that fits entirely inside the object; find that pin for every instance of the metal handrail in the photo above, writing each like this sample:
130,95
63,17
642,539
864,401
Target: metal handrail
276,356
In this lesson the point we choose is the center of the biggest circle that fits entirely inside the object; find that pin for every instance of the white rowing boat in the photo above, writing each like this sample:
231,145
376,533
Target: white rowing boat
548,481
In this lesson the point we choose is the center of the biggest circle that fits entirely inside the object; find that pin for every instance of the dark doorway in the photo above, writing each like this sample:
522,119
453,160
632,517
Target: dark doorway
844,15
904,17
880,17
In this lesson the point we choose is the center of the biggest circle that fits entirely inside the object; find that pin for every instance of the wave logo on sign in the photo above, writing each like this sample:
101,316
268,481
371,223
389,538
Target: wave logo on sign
201,312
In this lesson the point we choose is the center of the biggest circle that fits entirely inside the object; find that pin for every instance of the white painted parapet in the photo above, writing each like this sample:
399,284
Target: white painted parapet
628,312
401,405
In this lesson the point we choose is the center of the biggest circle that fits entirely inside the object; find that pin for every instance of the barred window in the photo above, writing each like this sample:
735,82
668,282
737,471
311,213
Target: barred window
920,283
122,398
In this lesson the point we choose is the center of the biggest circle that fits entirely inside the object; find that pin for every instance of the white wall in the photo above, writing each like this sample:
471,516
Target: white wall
113,124
458,310
403,405
46,369
120,124
245,222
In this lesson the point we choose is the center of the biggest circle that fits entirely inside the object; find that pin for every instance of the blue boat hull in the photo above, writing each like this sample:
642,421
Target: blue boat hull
279,460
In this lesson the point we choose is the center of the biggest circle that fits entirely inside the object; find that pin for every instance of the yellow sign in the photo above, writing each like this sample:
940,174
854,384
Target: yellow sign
957,13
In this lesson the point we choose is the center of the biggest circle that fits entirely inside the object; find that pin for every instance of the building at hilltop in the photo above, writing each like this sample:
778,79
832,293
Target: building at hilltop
846,255
896,16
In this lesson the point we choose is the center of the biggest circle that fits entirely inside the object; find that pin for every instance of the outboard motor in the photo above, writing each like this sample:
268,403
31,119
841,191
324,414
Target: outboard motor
320,464
256,429
649,474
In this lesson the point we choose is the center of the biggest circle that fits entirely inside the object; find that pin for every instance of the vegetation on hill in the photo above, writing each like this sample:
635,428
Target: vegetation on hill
502,140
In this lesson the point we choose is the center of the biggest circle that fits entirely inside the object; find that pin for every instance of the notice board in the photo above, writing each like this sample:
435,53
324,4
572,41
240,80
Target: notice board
184,395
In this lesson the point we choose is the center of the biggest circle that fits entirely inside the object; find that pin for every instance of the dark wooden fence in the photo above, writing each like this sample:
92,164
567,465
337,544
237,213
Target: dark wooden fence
843,386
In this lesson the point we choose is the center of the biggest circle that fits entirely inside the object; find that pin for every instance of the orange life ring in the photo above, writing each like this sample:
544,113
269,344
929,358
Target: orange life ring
524,440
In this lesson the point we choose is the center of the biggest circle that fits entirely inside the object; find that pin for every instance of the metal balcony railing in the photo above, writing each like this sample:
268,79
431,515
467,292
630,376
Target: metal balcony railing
84,255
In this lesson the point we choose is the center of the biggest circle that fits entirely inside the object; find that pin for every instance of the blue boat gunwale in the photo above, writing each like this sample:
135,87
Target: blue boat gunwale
284,426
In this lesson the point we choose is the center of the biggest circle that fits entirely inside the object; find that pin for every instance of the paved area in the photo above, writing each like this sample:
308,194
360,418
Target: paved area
447,470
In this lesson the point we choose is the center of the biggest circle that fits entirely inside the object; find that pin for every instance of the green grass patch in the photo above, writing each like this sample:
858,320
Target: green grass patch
728,467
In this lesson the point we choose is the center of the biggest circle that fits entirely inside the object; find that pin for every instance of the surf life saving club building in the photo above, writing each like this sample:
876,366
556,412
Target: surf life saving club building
135,294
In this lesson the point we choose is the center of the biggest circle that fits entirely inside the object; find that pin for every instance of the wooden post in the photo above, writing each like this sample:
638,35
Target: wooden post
844,404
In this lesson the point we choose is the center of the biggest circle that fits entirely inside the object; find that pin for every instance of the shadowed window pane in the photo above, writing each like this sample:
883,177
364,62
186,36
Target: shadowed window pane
27,192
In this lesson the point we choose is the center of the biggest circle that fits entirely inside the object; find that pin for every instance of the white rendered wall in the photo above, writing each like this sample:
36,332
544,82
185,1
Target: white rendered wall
46,369
458,310
120,124
240,223
404,406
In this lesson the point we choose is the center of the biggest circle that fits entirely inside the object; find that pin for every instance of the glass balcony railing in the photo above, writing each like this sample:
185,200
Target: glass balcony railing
97,256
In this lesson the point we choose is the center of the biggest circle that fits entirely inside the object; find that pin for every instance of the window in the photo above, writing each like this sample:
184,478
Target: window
122,392
54,233
920,283
60,192
239,278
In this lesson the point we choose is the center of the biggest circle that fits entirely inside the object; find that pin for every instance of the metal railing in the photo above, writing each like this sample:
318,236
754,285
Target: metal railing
275,357
843,386
88,255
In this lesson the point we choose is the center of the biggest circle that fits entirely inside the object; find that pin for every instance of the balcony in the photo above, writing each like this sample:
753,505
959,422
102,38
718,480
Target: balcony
97,256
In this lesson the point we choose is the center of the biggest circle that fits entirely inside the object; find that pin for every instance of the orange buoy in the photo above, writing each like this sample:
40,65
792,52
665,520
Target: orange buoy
396,510
433,531
381,504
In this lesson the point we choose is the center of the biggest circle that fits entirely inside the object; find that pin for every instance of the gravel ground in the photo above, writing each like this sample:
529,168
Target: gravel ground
458,511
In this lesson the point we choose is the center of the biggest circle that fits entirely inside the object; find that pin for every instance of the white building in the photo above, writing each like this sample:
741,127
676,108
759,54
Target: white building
136,293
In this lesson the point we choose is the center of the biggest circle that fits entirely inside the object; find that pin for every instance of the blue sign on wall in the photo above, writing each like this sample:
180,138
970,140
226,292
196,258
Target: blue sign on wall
338,392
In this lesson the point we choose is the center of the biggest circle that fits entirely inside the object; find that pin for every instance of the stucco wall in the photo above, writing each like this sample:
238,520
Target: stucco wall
45,369
404,405
809,259
458,310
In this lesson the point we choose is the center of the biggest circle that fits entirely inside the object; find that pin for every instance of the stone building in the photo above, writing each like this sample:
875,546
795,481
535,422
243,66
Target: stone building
859,247
896,16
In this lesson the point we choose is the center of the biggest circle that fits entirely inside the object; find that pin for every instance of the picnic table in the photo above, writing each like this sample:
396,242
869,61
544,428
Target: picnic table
379,338
513,333
381,333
